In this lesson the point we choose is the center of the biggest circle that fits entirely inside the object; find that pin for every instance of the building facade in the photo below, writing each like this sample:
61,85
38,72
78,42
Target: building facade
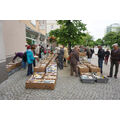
51,25
113,28
13,36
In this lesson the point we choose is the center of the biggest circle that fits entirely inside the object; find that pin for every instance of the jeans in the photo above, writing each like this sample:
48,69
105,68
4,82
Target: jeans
116,63
100,64
30,71
23,64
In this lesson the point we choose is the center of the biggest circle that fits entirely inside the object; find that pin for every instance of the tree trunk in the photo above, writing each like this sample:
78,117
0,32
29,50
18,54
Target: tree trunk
69,47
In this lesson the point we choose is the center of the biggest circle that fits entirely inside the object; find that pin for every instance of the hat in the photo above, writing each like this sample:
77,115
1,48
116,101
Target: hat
28,47
115,44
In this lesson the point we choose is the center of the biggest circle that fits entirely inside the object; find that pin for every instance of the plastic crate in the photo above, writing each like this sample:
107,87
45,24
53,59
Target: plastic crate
104,80
87,80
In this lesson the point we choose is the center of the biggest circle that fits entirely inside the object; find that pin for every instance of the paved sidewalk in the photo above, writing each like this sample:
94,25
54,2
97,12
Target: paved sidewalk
67,88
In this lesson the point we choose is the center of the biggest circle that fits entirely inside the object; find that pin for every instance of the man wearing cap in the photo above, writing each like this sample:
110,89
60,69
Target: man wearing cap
115,60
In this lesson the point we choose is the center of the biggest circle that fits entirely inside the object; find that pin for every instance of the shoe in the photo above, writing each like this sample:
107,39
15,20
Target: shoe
115,77
109,76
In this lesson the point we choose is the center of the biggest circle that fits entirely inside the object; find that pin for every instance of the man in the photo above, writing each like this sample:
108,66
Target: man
101,54
89,54
115,60
19,54
30,59
82,49
74,59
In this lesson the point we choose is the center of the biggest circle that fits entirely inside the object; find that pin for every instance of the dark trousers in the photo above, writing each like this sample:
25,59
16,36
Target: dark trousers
30,71
74,68
34,63
116,63
60,62
100,64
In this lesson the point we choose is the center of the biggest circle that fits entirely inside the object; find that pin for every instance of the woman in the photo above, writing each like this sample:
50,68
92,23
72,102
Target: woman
107,54
66,56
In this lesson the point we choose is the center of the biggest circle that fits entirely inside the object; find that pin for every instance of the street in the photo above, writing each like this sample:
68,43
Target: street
67,88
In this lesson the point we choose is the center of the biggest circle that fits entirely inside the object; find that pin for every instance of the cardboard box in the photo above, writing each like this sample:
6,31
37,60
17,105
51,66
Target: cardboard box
40,84
83,54
94,69
39,69
83,69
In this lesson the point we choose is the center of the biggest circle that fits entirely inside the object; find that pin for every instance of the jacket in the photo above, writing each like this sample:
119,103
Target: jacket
115,55
30,57
66,53
101,54
74,57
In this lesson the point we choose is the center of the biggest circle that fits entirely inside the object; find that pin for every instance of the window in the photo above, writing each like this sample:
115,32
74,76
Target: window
33,22
42,24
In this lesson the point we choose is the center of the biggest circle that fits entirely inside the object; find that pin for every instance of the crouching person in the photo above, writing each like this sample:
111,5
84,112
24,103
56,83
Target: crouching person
30,59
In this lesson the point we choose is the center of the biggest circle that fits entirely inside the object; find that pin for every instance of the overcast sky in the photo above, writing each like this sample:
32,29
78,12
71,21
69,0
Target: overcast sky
99,14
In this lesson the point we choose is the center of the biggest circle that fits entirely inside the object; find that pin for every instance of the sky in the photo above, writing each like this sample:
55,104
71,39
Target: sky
97,27
97,14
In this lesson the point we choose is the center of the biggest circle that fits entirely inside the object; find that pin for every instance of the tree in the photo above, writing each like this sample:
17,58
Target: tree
70,32
99,41
87,40
111,38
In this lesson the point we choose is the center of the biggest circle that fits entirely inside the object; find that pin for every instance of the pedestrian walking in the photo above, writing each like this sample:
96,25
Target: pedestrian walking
89,54
66,56
101,55
30,59
61,57
74,59
107,54
115,60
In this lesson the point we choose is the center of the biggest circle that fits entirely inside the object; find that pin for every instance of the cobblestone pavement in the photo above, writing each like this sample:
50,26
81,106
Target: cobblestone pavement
67,88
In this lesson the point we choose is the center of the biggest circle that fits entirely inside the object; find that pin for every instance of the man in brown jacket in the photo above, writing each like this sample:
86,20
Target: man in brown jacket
74,59
115,60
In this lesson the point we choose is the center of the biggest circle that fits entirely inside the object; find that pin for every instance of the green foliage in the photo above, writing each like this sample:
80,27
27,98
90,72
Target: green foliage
111,38
70,32
29,41
87,40
99,42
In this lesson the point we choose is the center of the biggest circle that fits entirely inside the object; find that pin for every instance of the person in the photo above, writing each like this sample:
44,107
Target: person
66,56
33,47
115,60
18,55
89,54
74,59
24,60
107,54
101,54
41,51
37,50
30,59
92,51
60,57
82,48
